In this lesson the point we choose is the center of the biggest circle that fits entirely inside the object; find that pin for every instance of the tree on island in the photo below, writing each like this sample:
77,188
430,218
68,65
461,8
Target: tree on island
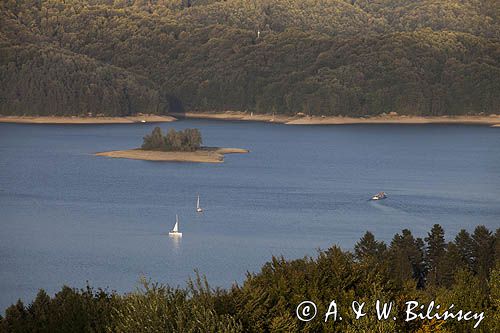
186,140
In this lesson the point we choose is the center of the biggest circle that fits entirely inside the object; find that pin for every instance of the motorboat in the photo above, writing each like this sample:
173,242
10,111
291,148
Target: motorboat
379,196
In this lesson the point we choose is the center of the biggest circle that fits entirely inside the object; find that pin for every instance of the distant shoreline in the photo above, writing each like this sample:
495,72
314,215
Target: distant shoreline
203,155
492,120
86,120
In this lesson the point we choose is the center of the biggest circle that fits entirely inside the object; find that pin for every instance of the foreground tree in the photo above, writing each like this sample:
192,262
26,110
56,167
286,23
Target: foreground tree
266,301
435,252
368,248
483,252
407,257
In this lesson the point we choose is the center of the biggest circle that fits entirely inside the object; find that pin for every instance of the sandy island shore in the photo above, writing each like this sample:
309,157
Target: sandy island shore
87,120
204,155
316,120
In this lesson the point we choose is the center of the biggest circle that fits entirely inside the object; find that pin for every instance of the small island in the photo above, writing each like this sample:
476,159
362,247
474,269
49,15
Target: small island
175,146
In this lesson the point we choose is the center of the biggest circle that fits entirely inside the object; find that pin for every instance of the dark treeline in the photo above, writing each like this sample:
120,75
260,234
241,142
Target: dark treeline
329,57
184,140
464,272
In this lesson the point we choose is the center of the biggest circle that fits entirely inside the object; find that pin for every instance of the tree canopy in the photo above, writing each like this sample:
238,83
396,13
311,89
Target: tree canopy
328,57
468,276
184,140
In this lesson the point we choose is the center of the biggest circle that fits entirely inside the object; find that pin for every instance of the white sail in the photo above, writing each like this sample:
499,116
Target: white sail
176,226
175,231
198,208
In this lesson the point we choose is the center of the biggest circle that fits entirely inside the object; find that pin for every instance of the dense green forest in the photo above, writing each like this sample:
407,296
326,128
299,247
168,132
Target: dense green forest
464,272
320,57
183,140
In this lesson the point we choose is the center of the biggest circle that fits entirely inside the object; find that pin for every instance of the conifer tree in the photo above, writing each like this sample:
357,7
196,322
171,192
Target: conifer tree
435,252
368,247
483,251
464,245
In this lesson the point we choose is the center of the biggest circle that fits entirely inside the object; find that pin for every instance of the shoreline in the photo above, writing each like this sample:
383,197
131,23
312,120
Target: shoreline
74,120
203,155
234,116
492,120
402,120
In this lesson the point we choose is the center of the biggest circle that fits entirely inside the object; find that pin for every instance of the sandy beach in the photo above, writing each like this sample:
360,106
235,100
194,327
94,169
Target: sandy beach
478,120
316,120
87,120
236,116
490,120
204,155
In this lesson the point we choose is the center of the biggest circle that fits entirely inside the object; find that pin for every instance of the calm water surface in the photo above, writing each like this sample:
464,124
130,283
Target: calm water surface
68,217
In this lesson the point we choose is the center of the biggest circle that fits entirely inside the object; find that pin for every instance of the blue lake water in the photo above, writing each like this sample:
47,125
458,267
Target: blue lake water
68,217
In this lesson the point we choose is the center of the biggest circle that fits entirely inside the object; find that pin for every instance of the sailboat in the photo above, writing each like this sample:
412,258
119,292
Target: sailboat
198,208
175,231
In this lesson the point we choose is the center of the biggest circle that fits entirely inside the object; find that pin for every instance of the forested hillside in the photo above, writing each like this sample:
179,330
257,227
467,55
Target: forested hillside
321,57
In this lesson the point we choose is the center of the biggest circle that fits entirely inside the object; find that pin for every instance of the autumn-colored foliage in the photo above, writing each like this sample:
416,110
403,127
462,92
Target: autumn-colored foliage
329,57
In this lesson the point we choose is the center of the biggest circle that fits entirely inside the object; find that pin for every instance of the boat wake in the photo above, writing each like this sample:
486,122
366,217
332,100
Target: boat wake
400,214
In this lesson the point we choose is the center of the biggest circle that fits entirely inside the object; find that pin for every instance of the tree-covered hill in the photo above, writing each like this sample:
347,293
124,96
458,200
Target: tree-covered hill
323,57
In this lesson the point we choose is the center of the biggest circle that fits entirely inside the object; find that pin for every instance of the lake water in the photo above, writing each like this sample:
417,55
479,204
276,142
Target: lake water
67,217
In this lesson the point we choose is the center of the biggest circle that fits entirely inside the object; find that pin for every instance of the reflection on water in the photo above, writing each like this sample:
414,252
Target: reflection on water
68,216
176,242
